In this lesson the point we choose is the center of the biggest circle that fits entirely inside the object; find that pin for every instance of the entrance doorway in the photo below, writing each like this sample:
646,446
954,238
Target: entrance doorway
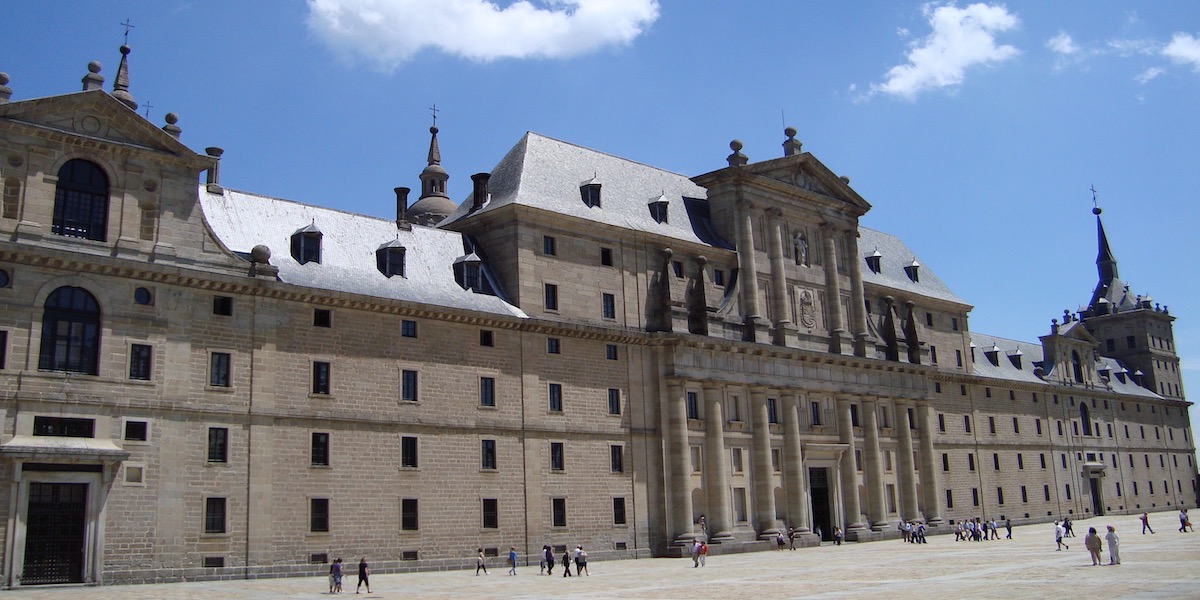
1097,501
56,525
818,480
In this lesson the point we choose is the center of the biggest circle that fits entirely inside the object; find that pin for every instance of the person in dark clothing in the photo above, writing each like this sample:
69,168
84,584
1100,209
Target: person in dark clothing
364,573
566,562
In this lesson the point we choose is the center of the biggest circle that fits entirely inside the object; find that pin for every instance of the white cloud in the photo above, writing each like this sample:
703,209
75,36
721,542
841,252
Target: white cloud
1149,74
1127,48
961,38
1184,49
390,32
902,32
1062,44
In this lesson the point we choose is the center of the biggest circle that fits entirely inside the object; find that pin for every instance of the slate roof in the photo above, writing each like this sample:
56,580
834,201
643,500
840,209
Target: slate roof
546,173
894,256
241,221
1031,353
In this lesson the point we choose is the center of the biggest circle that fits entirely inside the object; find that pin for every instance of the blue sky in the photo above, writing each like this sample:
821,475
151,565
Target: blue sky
975,130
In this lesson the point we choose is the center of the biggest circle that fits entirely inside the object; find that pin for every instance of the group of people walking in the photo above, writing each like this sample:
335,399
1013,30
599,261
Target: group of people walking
1094,546
975,530
578,555
336,572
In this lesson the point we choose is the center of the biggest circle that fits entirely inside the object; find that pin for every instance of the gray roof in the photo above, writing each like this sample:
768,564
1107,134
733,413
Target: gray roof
1031,353
894,256
545,173
349,241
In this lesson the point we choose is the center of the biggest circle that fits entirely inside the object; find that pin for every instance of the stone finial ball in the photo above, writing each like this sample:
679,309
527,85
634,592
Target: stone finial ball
736,145
171,118
845,179
94,66
124,49
1096,211
3,78
433,130
260,254
790,132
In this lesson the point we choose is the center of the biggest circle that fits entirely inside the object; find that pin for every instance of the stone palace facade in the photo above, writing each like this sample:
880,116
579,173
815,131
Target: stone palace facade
201,382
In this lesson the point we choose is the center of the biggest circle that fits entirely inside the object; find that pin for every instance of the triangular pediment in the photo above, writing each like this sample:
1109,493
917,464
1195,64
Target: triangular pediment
96,115
1075,331
800,176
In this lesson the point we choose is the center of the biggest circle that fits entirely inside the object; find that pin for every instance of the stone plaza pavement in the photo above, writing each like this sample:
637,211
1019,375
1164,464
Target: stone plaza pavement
1164,565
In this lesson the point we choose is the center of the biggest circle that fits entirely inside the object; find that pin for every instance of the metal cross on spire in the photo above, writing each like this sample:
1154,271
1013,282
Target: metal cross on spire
1094,202
127,25
434,109
147,106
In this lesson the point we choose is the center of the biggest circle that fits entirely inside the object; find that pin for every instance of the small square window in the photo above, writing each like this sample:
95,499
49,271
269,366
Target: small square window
140,361
223,305
408,328
137,431
719,277
214,562
606,257
553,346
487,338
322,317
549,246
320,377
610,351
135,474
318,515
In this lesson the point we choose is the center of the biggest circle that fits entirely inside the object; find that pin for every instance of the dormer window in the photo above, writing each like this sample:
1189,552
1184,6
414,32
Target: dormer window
993,355
1015,358
912,271
468,272
658,211
873,262
306,245
589,191
389,259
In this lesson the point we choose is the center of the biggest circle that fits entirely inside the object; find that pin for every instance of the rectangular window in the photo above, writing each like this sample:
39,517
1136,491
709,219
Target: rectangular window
677,268
223,306
320,377
1042,459
408,328
1025,495
941,422
491,513
218,444
550,294
772,411
618,511
954,323
617,458
609,306
1131,341
487,391
137,431
139,361
1038,425
320,449
718,277
614,401
733,409
697,458
487,338
606,257
974,496
949,499
408,452
549,246
854,415
64,427
318,515
958,357
739,505
996,461
558,512
967,423
610,351
1016,425
945,462
553,346
3,349
1020,462
992,425
1064,461
409,514
322,317
218,369
814,412
557,458
1000,495
1046,491
556,397
408,385
214,515
1068,486
487,451
933,354
970,462
735,455
693,405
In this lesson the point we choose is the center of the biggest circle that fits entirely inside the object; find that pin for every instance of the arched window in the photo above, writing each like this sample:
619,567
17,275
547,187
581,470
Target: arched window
1085,417
12,198
71,332
1076,367
81,201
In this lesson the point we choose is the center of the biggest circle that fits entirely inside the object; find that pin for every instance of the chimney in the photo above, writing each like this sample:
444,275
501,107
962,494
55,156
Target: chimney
214,172
5,91
480,195
402,207
93,80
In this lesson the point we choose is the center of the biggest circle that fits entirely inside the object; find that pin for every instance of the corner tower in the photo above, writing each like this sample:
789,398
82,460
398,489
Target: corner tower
1132,328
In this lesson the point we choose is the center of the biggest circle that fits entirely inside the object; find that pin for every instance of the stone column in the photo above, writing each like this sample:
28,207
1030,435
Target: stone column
931,485
848,472
858,304
873,465
779,298
793,465
764,488
748,275
678,454
716,466
833,290
905,469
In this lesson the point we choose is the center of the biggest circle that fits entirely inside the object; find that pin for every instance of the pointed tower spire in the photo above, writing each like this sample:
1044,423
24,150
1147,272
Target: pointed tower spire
1111,294
433,205
1106,263
121,83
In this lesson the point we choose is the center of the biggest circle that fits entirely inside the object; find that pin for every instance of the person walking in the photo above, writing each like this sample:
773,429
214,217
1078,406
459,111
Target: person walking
542,561
335,571
1093,544
1059,531
512,560
364,574
548,553
566,562
791,538
1008,526
703,552
837,536
1184,523
581,561
1114,546
694,549
480,563
1146,523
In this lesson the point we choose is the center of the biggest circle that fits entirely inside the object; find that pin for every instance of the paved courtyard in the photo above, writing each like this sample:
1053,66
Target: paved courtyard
1164,565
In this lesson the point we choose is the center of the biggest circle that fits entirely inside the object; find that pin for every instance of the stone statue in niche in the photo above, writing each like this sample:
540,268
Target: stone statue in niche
801,247
808,309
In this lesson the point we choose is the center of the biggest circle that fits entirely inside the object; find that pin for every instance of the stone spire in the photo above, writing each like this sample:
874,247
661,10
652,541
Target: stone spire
121,83
1111,294
433,205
